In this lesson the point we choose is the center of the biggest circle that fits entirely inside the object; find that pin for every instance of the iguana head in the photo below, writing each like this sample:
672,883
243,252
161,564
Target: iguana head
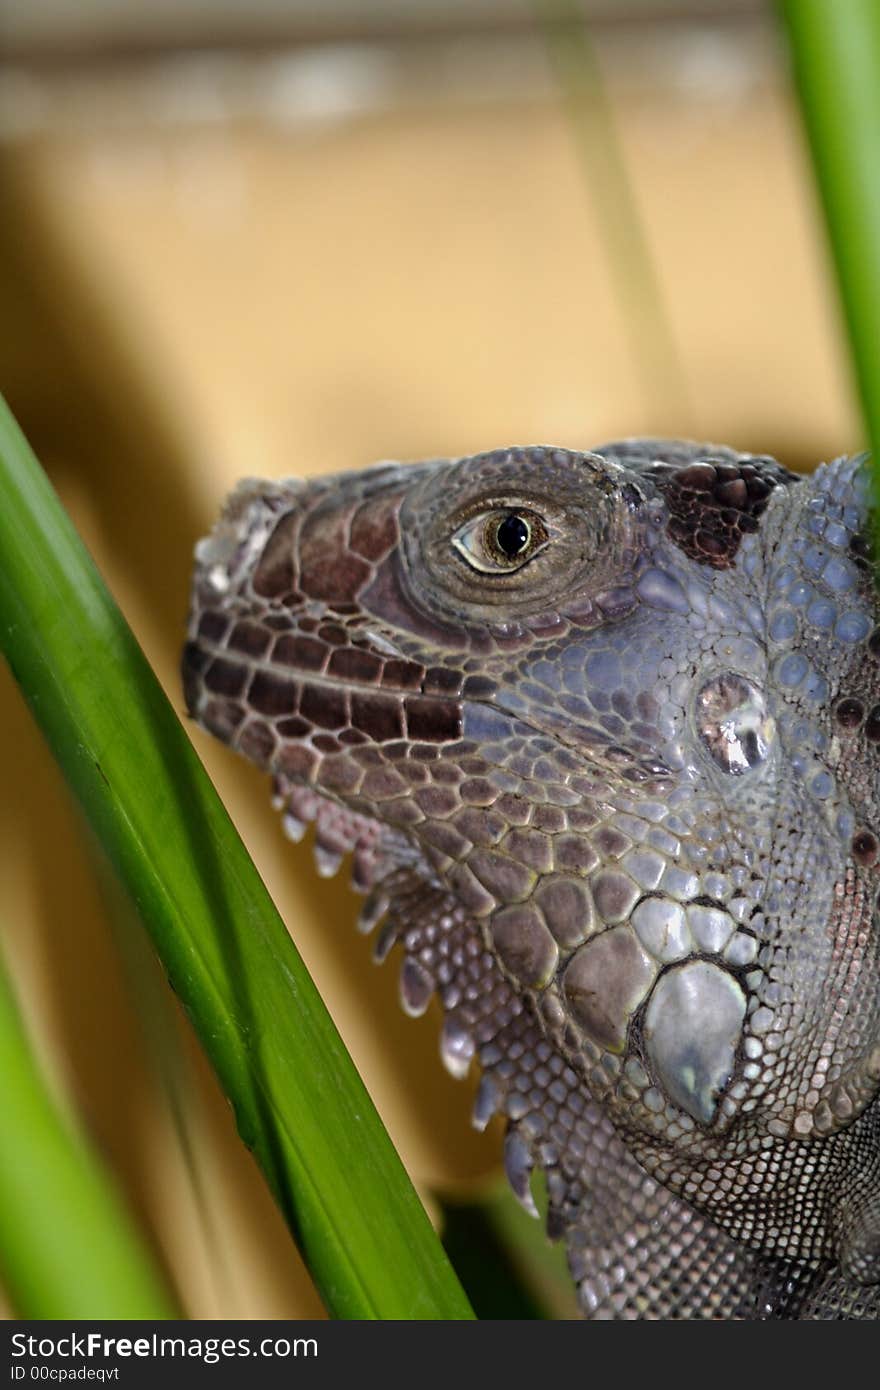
619,710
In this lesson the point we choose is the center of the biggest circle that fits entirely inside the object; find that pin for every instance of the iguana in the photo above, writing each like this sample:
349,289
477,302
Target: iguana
601,731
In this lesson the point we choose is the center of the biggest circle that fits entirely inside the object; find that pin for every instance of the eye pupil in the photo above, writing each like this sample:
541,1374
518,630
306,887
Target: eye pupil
501,542
512,535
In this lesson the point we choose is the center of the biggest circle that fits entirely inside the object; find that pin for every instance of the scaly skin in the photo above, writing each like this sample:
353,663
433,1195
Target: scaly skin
602,731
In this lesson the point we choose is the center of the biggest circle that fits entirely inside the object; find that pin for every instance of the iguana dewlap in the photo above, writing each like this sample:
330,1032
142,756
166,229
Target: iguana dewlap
602,731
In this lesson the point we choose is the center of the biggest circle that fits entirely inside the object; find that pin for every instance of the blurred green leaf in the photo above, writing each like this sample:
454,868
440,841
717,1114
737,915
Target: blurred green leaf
504,1259
835,47
298,1101
68,1246
624,235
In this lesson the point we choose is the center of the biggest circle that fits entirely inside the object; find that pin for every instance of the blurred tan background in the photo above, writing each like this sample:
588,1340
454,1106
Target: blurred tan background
290,238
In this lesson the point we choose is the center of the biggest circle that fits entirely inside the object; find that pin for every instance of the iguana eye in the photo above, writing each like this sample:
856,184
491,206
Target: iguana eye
500,542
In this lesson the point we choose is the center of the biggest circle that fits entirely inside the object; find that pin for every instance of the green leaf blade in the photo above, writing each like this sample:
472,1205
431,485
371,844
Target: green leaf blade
68,1246
835,50
298,1101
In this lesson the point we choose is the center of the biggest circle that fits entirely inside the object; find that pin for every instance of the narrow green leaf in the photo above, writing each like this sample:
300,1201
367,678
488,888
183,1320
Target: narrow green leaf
624,237
298,1101
835,46
542,1266
504,1259
68,1246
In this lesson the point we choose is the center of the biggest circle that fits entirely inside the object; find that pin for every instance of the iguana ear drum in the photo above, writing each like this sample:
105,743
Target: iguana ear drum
601,734
734,723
